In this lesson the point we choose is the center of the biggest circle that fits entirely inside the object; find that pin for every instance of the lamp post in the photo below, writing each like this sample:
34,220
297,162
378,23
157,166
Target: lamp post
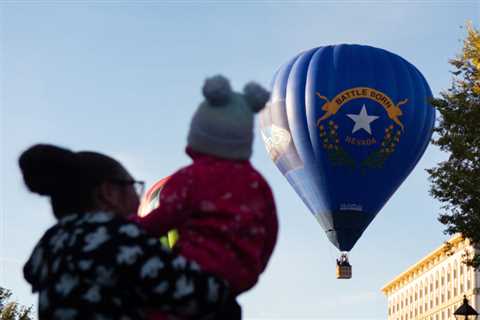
465,311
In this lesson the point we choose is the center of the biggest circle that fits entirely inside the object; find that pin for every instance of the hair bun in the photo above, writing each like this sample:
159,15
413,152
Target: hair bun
256,96
217,90
46,168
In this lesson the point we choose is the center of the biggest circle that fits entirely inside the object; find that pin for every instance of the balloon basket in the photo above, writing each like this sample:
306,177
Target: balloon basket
344,269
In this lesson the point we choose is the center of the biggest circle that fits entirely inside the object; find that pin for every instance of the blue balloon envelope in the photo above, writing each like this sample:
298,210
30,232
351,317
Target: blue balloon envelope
345,125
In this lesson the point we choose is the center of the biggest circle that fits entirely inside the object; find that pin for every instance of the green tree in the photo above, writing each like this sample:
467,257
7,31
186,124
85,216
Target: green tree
456,181
12,310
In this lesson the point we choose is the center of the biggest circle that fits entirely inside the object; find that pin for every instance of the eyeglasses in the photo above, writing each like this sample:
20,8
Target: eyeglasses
139,186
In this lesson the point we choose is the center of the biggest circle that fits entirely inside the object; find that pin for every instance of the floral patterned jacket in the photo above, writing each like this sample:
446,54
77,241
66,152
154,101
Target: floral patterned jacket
100,266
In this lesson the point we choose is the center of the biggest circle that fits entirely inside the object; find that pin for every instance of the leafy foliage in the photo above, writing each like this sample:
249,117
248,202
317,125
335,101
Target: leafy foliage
12,310
456,181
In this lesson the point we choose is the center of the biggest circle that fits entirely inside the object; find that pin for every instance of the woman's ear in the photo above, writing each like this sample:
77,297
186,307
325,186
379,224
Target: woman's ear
106,197
121,200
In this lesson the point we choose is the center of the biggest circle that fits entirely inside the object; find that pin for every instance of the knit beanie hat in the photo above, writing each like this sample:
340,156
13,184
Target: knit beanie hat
222,126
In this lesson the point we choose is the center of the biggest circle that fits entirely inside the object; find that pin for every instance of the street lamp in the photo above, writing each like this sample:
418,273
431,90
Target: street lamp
465,311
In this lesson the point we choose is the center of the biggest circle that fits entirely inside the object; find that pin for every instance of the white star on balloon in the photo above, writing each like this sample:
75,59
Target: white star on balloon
362,120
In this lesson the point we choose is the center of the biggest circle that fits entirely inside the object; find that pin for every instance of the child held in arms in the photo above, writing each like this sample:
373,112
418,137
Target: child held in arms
222,207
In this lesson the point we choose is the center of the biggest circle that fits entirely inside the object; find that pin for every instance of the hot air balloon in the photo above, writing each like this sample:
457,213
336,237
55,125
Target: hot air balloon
345,125
150,201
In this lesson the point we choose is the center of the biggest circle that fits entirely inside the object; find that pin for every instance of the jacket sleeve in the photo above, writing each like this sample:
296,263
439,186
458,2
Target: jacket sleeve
255,243
271,222
174,206
163,280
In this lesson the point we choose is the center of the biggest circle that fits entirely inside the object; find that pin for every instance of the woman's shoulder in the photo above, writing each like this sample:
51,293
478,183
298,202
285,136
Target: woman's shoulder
94,219
89,231
96,234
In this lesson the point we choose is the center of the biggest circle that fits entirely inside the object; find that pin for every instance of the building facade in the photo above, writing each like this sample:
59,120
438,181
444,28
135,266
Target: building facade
433,288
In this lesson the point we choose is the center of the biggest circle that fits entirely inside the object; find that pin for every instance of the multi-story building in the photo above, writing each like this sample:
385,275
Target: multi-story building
433,288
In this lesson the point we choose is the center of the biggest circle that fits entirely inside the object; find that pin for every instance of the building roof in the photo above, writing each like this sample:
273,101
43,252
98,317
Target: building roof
437,253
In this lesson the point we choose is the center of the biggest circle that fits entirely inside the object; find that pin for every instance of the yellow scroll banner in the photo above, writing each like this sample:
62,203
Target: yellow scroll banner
331,107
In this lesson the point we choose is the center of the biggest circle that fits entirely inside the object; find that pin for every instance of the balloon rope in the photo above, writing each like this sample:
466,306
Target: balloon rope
333,255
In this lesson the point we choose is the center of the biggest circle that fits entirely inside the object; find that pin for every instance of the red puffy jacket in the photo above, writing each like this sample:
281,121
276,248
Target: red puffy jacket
225,214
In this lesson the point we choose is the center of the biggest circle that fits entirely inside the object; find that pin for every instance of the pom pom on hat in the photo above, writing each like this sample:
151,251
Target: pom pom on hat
217,90
223,125
256,96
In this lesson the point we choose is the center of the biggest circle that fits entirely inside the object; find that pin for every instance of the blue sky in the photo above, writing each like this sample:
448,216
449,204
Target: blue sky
124,78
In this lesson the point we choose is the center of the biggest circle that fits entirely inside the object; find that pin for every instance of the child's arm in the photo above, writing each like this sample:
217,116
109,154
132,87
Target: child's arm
174,208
